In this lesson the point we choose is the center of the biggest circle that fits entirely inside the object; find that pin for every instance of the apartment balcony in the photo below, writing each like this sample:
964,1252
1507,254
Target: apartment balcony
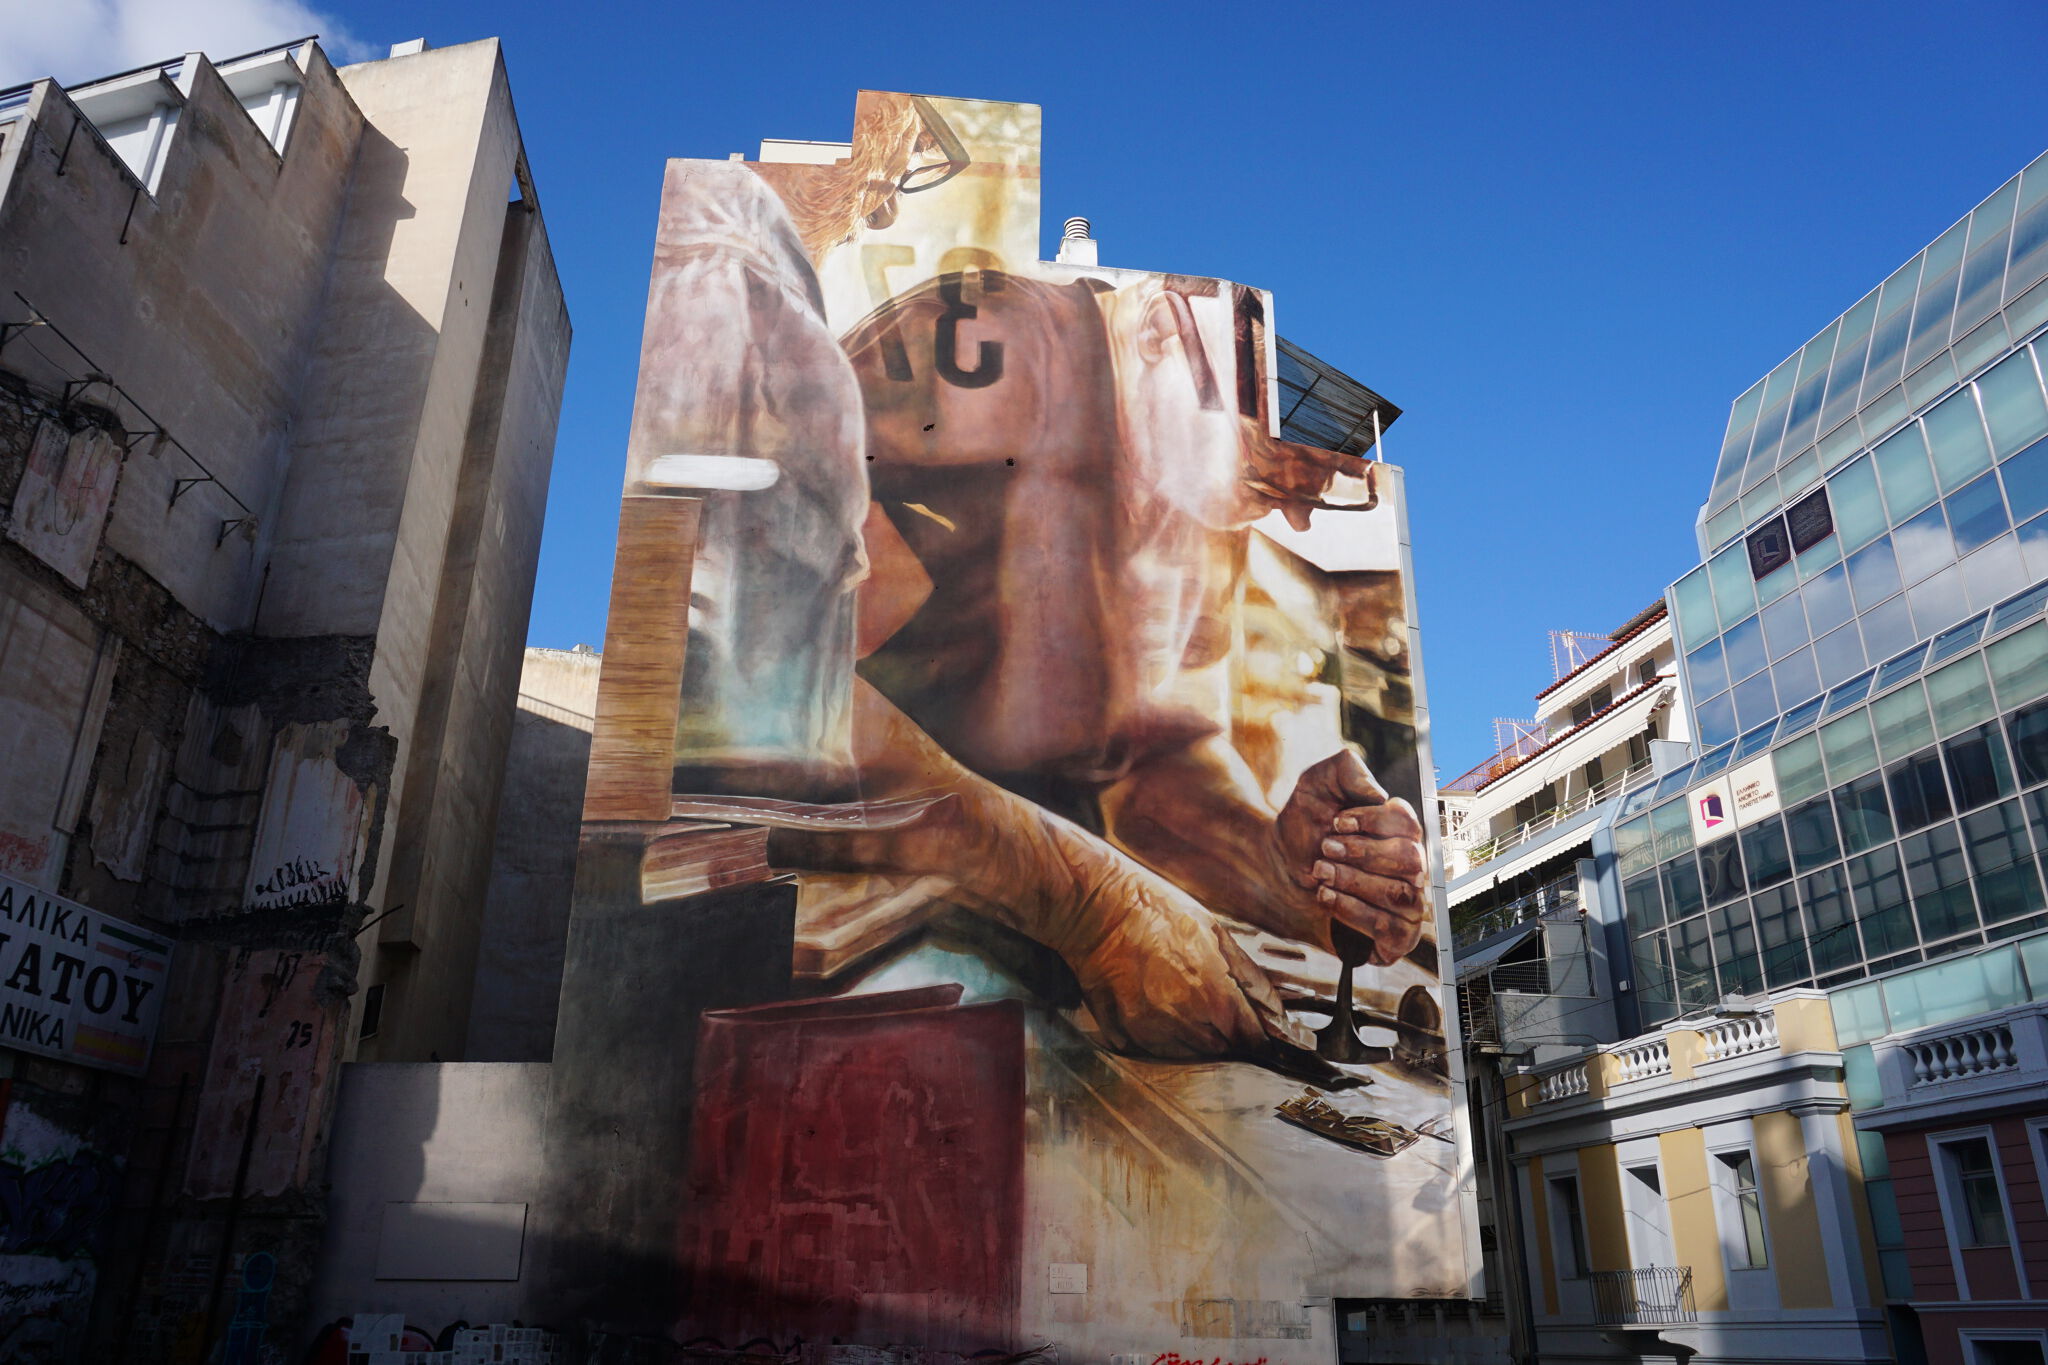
1645,1296
1478,849
1786,1040
1980,1065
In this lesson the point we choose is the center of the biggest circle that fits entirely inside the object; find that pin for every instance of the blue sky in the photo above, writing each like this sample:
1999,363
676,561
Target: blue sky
1562,237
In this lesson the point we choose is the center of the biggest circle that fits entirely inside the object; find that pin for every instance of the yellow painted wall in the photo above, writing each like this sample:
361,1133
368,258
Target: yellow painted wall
1797,1253
1694,1236
1600,1189
1685,1052
1866,1235
1805,1026
1539,1219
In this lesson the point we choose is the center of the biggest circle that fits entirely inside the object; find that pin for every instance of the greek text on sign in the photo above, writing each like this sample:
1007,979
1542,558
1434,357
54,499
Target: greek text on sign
1755,787
76,984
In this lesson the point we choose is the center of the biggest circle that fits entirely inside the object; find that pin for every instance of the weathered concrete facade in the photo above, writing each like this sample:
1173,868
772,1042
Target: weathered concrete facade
283,353
533,867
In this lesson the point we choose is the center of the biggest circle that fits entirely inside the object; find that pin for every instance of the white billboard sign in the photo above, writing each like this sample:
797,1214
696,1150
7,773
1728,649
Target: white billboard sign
76,984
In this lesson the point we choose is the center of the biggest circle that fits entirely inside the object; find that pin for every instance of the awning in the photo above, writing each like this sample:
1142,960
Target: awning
1514,865
1470,962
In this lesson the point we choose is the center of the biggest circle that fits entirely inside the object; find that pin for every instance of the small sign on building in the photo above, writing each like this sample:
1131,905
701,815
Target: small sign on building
1755,789
76,984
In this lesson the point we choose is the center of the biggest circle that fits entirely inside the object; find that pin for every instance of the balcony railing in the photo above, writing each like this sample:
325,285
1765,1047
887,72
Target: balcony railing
1742,1041
1954,1056
1563,1084
1642,1060
1486,850
1739,1036
1647,1296
1975,1063
1556,900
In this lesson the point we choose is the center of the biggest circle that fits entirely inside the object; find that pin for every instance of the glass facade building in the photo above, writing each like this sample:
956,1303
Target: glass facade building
1864,654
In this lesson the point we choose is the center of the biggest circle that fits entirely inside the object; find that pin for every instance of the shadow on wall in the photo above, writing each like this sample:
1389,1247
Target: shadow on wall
533,880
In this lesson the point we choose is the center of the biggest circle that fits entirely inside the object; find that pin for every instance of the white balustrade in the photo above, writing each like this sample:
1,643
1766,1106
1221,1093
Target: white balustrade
1954,1056
1562,1085
1739,1036
1639,1061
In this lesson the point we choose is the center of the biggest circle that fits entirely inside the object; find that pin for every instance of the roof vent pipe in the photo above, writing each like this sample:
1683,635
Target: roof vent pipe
1077,245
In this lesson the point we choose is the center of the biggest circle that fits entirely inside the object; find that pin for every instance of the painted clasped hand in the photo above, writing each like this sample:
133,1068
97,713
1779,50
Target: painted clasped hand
1359,853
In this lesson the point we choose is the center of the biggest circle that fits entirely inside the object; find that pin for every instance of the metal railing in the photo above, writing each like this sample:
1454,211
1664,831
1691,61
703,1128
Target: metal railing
1553,900
1485,851
1652,1295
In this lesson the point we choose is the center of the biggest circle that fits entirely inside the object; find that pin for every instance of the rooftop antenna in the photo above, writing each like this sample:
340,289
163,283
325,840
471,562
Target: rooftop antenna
1570,649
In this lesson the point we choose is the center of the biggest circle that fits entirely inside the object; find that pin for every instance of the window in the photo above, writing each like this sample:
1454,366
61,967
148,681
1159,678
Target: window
1812,827
1830,928
1646,669
2005,1350
1746,1239
1810,521
1940,883
1734,942
1592,704
1978,767
1919,796
1975,1195
1770,547
1568,1226
1784,945
1640,904
1878,884
1682,893
1721,871
1763,853
2008,884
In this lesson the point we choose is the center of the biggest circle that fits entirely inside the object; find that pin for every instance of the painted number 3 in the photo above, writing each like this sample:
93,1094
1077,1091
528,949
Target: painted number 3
988,367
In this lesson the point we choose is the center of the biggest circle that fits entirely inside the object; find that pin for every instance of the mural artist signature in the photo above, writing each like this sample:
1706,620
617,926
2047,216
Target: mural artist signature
1176,1358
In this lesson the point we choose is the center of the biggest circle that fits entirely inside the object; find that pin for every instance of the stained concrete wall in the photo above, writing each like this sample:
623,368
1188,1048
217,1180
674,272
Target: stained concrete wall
201,301
429,1134
363,336
533,862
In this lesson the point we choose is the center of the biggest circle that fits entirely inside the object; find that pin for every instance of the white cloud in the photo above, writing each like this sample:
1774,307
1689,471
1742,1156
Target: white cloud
80,40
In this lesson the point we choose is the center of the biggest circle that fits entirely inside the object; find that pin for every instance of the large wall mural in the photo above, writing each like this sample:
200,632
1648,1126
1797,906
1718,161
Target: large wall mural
981,596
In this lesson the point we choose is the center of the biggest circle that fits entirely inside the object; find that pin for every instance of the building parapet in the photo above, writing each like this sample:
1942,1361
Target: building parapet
1792,1024
1968,1066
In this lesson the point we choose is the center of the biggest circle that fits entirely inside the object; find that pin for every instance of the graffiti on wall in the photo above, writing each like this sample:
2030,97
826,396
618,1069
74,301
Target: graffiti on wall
1080,702
59,1188
312,832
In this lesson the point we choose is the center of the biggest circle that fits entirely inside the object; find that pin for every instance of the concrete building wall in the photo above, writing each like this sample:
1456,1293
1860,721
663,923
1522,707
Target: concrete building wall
199,300
533,861
452,1149
245,699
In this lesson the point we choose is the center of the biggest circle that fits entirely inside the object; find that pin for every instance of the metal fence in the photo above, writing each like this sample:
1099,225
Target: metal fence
1647,1295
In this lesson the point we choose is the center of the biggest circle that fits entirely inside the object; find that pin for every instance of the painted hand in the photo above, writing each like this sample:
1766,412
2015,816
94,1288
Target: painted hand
1291,476
1356,854
1164,979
